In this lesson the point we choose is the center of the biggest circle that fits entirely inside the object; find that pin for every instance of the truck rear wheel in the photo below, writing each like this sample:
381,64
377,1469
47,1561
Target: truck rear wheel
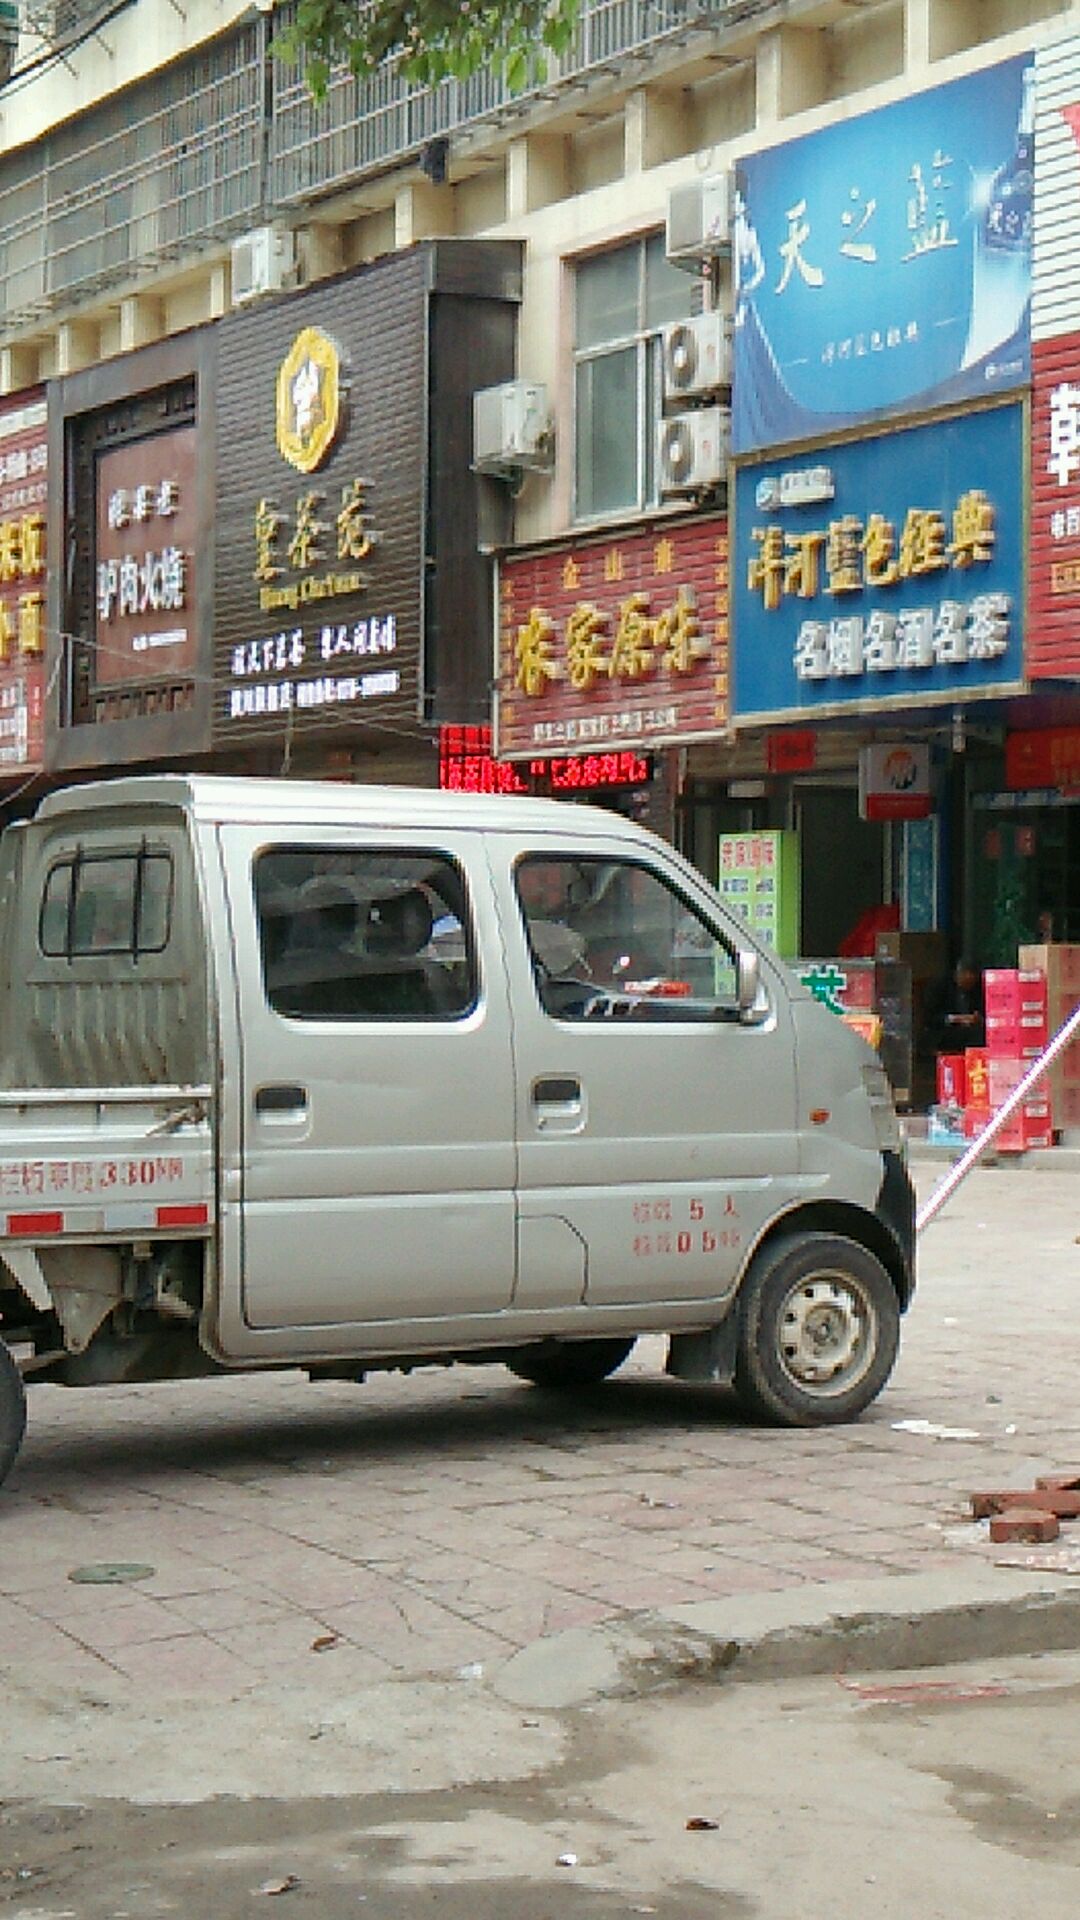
12,1411
818,1332
564,1366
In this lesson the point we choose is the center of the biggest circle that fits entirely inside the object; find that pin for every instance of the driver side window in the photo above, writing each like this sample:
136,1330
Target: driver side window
611,938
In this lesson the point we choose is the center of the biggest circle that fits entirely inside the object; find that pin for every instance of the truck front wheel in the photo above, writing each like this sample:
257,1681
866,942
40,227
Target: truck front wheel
12,1411
818,1332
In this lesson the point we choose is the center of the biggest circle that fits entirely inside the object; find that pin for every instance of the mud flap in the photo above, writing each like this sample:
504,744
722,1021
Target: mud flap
706,1355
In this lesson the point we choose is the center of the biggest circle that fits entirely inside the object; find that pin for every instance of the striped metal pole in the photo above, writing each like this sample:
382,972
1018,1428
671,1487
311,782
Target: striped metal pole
947,1187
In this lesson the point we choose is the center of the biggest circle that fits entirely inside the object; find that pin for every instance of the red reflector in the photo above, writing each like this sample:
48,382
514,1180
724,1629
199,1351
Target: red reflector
35,1223
183,1216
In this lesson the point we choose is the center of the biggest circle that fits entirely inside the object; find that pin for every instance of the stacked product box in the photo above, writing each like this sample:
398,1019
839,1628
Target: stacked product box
1060,964
1017,1032
946,1117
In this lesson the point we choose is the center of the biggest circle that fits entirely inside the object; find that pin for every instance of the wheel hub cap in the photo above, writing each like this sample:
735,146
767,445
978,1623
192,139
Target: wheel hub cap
825,1332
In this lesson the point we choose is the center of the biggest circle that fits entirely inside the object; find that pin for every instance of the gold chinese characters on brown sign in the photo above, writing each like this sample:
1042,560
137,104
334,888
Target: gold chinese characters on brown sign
615,642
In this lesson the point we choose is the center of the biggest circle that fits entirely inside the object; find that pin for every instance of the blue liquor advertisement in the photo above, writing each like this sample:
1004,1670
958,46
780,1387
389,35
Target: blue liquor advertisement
883,265
881,573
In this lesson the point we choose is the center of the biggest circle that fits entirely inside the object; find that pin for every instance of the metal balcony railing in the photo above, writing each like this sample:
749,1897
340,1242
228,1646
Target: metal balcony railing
229,136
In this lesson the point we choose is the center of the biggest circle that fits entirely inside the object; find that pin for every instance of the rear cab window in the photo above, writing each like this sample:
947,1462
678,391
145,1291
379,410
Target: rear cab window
364,934
110,903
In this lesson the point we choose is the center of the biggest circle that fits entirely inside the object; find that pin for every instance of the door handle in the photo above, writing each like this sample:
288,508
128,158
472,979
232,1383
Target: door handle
559,1091
281,1099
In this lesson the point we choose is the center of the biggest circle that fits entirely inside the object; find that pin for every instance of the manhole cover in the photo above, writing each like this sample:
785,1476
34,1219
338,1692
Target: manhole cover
111,1573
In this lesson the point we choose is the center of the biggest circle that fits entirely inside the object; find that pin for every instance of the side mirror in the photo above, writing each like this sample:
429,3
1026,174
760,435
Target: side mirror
748,978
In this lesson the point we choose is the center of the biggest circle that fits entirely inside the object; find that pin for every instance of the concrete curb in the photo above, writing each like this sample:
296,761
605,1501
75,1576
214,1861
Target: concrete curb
909,1620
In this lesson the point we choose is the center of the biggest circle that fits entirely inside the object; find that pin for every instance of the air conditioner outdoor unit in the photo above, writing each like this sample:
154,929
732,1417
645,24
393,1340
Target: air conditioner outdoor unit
692,450
512,428
699,220
697,356
263,261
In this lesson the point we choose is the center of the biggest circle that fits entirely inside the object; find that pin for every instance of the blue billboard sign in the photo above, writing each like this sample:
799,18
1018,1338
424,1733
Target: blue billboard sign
883,265
885,572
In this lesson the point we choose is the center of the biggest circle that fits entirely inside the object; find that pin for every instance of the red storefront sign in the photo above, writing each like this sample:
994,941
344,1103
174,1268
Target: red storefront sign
1053,647
614,642
792,751
23,504
1048,757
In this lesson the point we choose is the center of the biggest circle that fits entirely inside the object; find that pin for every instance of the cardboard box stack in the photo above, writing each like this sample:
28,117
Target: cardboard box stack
1017,1031
1060,965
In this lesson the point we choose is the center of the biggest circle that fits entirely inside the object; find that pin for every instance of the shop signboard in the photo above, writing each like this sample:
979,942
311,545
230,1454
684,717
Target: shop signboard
467,764
612,643
894,781
900,591
146,559
758,875
883,263
1042,757
319,589
352,601
1055,292
1053,647
23,513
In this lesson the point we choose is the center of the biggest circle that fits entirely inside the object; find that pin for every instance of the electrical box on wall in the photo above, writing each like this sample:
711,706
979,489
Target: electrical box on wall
692,450
512,428
697,356
699,221
263,261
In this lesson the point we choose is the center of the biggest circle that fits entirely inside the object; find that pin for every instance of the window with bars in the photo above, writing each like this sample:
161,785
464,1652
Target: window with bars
622,301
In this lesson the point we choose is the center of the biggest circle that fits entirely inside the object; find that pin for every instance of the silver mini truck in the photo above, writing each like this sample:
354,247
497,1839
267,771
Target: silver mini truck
349,1077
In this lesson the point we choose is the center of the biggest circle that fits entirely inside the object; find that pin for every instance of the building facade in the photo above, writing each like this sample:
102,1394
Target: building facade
762,272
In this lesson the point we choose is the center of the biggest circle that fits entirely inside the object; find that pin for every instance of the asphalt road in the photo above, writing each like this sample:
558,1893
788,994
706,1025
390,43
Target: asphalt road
954,1795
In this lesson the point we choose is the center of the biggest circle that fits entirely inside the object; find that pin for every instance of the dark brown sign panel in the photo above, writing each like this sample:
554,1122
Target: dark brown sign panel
145,559
132,513
321,448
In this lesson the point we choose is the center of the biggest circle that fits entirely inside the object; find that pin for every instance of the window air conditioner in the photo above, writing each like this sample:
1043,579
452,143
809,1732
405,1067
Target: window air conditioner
699,220
692,450
697,356
512,428
263,261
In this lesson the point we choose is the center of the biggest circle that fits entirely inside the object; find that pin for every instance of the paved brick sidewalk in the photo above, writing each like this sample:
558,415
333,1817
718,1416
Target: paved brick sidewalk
449,1519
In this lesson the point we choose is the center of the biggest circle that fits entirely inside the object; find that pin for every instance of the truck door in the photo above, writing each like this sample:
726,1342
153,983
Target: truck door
377,1127
657,1133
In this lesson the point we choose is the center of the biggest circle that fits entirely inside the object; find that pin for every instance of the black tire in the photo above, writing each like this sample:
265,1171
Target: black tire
12,1411
567,1366
819,1329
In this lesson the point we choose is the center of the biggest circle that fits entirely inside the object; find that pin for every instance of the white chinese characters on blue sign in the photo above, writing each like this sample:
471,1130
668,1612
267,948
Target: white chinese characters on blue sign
904,589
884,263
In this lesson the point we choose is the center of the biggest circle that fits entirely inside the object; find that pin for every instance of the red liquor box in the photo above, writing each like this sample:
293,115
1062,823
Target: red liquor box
951,1080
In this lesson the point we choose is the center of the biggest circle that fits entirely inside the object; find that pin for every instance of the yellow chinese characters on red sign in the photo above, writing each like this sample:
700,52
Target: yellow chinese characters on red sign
23,507
616,641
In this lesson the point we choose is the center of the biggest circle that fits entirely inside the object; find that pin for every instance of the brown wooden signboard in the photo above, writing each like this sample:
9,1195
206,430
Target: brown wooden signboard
615,641
145,559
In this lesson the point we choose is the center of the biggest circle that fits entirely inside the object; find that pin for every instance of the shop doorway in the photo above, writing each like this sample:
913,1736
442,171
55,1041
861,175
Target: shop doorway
843,866
1026,871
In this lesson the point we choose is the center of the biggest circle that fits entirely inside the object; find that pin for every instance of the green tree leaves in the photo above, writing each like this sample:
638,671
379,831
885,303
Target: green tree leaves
432,40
